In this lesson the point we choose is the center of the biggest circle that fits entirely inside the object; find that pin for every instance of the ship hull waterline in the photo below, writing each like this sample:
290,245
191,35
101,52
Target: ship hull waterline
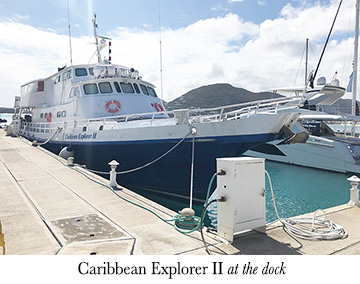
172,173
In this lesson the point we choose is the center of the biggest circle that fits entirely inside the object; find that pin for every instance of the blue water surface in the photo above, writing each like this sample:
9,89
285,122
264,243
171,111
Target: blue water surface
297,190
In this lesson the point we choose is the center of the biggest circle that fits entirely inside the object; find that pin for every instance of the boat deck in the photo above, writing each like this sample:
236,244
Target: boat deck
47,208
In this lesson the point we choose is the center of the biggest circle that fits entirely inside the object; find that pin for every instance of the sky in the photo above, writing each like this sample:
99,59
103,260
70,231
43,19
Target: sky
253,44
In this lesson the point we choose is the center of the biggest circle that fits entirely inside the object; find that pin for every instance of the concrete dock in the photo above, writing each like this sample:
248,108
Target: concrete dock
47,208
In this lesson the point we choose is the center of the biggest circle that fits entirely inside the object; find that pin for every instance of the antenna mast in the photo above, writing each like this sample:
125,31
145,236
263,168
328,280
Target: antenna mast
68,6
96,39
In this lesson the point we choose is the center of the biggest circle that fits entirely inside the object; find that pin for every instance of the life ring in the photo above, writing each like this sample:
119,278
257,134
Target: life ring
158,107
48,117
112,106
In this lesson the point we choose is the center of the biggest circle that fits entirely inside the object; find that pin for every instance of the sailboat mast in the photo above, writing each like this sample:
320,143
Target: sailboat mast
355,66
306,60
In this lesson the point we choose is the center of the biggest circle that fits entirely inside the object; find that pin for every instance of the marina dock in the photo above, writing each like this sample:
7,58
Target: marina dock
48,208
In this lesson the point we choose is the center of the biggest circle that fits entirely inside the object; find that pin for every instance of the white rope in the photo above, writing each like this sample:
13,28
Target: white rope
192,170
143,166
35,143
314,228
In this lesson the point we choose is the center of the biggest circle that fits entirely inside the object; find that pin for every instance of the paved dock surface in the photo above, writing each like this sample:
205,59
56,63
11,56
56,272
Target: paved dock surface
47,208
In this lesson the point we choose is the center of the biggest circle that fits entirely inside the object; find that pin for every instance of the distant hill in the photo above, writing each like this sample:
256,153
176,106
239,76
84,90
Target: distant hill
225,94
6,110
217,95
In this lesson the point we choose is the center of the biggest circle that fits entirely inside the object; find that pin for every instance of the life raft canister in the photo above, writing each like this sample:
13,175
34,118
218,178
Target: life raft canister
112,106
48,117
158,107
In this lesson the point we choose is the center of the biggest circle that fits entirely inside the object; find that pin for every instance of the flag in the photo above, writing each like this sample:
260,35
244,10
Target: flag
349,86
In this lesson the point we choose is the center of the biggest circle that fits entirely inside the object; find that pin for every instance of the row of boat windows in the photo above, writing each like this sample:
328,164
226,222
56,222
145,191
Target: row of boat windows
79,72
122,87
64,76
39,130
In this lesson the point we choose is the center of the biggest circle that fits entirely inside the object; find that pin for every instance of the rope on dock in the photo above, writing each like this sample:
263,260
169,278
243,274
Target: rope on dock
320,229
36,143
143,166
192,225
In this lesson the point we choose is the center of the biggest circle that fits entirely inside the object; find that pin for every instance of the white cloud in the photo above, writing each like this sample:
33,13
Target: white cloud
217,50
19,18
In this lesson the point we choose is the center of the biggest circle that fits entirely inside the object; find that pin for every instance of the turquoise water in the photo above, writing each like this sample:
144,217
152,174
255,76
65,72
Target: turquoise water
297,190
300,190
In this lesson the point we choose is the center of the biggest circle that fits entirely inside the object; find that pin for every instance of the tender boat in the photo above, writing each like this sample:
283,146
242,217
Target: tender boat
103,112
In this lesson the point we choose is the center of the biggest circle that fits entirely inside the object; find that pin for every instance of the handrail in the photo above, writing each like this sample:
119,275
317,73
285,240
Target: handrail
269,106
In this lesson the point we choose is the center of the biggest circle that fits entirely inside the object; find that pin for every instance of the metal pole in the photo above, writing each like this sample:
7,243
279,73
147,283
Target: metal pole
306,60
355,66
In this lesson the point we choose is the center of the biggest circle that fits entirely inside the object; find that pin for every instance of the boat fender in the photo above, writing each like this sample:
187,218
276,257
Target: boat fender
48,117
67,152
112,106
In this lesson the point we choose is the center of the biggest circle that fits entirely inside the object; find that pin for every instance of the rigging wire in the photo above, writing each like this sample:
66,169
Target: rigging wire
312,78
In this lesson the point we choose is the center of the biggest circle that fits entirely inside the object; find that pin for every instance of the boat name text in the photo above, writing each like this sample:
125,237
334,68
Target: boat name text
83,136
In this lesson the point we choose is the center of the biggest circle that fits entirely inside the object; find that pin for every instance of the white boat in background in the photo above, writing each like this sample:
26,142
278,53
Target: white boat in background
325,149
103,112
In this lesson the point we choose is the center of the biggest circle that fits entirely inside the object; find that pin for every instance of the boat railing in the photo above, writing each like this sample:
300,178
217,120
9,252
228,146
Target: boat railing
230,112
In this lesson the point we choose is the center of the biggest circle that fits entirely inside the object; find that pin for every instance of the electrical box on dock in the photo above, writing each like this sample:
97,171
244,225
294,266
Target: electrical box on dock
243,187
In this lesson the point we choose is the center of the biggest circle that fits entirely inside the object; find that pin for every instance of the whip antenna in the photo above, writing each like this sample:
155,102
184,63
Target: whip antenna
68,6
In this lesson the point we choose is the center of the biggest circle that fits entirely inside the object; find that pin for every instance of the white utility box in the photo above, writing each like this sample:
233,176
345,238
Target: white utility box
243,187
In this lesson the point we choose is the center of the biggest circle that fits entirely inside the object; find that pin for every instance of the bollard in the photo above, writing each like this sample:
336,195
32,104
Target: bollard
113,164
354,191
70,161
2,240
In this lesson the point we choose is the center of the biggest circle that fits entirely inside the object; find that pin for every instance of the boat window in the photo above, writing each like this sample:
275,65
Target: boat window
74,92
63,114
80,72
40,86
144,89
68,75
90,89
152,92
58,114
41,115
117,87
136,88
127,87
105,87
64,76
91,71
